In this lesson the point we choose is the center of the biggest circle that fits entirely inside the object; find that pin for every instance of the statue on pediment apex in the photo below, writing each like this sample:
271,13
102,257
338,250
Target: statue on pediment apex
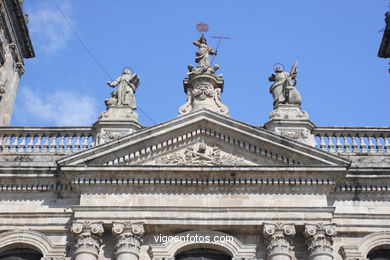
204,50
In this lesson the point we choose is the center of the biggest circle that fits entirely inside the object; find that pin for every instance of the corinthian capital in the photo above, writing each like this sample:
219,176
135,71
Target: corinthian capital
279,238
320,239
128,237
87,236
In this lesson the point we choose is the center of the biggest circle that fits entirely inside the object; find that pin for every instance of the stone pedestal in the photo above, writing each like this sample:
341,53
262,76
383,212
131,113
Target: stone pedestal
105,131
279,244
319,240
116,122
203,90
292,122
128,240
87,240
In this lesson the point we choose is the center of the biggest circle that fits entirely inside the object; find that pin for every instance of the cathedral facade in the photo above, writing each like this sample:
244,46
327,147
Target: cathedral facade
200,186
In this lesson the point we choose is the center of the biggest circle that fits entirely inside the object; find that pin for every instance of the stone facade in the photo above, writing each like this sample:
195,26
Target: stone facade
116,190
15,45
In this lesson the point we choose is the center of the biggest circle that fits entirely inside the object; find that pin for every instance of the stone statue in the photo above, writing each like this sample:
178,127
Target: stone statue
203,87
127,84
283,89
202,55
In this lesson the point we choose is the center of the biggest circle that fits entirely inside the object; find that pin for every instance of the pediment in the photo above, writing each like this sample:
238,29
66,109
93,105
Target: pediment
201,151
203,138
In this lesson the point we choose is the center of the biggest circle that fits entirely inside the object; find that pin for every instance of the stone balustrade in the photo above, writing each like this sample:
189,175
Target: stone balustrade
45,139
353,140
74,139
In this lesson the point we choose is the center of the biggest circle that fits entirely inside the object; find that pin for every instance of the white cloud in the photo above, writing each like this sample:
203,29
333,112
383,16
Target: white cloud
59,108
49,29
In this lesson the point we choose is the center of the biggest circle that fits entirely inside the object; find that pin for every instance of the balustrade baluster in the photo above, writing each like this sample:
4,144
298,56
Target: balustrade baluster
61,143
339,145
77,143
378,146
355,145
53,143
14,144
84,146
347,145
46,144
30,144
2,139
22,144
371,145
69,143
7,143
331,144
322,144
363,145
38,144
387,143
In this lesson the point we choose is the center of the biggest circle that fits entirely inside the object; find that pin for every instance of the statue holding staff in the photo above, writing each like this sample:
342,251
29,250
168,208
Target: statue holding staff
202,55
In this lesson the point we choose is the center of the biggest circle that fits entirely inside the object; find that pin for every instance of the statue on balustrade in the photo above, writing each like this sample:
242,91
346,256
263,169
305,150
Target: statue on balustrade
283,89
127,84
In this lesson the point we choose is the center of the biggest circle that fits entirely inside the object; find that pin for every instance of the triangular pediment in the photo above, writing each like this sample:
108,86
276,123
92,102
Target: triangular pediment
204,138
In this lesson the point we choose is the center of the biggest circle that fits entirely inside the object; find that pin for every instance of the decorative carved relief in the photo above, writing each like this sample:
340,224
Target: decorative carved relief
128,237
319,238
298,134
201,154
279,238
105,135
87,237
202,91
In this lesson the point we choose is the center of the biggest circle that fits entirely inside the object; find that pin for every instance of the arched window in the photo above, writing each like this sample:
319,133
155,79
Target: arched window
20,254
203,254
382,253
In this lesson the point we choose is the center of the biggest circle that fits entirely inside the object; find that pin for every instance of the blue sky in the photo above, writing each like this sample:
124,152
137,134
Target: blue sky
341,79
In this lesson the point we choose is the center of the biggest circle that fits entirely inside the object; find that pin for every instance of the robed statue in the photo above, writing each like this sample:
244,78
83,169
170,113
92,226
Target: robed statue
127,84
202,55
283,89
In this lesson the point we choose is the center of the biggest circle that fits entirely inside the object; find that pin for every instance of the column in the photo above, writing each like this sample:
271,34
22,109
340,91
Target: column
128,240
319,240
279,242
87,239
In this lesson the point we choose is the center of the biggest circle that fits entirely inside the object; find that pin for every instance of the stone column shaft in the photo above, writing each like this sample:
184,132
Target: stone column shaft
87,239
319,240
279,243
128,240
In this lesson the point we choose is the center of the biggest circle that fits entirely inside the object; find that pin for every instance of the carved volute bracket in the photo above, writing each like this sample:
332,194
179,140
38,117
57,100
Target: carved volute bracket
128,239
279,240
87,238
319,240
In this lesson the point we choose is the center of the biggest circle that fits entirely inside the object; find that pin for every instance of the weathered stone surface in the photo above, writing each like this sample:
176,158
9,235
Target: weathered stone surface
16,45
203,87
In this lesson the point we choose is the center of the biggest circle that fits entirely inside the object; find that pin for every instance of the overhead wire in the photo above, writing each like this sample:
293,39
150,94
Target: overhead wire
91,54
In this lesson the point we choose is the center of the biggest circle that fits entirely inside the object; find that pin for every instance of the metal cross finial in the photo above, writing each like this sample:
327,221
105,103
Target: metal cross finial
220,38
